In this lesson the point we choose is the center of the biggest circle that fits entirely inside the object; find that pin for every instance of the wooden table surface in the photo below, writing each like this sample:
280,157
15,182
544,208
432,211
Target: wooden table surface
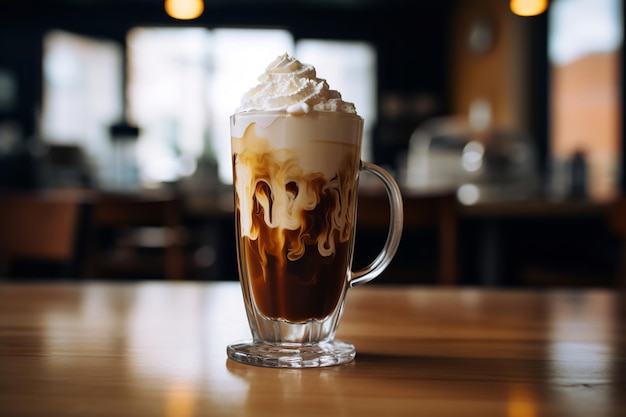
158,349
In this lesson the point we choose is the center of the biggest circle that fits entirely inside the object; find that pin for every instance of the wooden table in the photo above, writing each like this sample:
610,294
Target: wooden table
158,349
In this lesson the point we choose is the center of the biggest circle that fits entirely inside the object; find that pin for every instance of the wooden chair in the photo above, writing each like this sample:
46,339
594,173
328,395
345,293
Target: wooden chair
428,212
138,236
47,229
617,224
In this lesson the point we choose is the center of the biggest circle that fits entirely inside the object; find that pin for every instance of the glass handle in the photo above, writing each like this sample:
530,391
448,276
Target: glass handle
396,219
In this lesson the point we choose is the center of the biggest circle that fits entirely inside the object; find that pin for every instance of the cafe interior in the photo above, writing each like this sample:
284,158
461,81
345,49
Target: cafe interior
501,121
502,127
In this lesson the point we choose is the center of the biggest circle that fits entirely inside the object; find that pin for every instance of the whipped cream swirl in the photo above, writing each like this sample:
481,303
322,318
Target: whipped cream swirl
292,86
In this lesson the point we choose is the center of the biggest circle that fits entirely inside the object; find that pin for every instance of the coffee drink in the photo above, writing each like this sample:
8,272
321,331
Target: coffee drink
296,154
295,182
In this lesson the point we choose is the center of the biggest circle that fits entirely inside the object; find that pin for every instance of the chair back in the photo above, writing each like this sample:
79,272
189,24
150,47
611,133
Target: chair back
140,221
43,228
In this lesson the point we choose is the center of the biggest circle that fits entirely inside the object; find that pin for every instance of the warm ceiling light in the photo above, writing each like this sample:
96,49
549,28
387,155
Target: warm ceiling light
528,7
184,9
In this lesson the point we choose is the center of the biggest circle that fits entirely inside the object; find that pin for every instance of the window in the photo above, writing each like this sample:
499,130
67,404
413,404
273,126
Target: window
167,85
584,42
182,86
82,96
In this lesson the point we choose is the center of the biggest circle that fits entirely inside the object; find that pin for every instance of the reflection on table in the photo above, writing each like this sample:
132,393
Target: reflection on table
159,349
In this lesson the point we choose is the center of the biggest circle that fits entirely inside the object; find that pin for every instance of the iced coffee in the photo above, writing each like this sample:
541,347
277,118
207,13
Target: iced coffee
296,148
295,182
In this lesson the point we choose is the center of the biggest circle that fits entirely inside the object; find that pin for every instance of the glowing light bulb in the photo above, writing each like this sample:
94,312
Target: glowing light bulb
184,9
528,7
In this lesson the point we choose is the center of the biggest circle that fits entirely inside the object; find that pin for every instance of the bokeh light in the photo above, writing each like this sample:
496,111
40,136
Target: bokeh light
184,9
528,7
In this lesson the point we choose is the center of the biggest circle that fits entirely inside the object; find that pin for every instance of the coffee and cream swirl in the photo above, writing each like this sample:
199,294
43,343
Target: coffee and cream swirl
292,86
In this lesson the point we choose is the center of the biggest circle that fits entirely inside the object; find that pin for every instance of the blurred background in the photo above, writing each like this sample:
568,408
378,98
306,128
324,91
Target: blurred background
503,125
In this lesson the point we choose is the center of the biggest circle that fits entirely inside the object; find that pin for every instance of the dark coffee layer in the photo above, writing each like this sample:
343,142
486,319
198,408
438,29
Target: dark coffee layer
296,291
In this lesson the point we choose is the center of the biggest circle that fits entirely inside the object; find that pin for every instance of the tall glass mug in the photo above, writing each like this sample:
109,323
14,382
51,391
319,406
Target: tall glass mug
296,180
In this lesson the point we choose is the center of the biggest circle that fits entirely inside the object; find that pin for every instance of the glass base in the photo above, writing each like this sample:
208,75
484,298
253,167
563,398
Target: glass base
331,353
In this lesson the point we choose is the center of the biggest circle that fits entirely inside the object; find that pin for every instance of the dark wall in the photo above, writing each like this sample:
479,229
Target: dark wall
20,56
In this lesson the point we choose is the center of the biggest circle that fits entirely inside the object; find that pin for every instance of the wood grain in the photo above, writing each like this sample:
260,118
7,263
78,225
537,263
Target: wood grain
158,349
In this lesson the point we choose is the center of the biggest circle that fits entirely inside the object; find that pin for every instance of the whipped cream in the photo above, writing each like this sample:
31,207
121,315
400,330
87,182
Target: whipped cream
292,86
